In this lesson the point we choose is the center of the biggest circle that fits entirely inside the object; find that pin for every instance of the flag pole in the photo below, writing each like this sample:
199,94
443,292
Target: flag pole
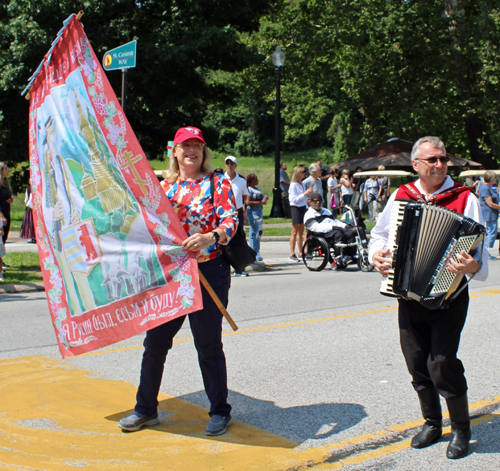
217,301
32,78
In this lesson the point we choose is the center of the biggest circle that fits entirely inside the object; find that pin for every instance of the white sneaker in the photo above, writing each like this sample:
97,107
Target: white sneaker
259,257
1,277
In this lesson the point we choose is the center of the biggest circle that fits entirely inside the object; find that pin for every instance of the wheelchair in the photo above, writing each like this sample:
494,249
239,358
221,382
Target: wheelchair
317,252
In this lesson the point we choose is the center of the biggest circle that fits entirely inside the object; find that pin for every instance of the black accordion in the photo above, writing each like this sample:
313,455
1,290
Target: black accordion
422,240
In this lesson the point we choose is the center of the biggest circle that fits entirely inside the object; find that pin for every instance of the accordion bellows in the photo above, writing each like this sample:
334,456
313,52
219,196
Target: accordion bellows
422,239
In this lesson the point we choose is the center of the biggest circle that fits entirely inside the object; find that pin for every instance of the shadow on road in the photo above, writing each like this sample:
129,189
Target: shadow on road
299,423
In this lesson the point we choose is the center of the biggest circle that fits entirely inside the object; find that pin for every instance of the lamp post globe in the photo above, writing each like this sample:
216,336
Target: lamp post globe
278,58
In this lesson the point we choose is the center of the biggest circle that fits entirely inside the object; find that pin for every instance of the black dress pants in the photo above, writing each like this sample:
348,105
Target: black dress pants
430,340
206,326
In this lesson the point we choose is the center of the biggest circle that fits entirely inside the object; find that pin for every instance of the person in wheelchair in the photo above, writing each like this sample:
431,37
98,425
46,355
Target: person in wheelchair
320,221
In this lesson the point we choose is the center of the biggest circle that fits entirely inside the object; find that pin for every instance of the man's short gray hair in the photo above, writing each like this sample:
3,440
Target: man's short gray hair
313,168
432,140
490,176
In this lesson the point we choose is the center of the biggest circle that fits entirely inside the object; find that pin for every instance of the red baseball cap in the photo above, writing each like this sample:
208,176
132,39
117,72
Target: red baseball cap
183,134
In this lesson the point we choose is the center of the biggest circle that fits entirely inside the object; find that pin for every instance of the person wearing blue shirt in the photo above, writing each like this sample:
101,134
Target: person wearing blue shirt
488,198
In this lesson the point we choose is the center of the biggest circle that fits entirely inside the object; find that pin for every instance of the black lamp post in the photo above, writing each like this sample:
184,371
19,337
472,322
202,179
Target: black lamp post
278,58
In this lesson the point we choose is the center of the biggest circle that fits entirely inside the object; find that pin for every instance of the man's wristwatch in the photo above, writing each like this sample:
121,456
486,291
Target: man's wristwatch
216,236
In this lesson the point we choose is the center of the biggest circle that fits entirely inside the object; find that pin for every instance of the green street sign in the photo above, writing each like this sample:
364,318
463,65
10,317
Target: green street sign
122,57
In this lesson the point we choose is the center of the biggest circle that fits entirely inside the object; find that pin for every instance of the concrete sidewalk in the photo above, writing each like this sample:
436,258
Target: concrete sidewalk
276,257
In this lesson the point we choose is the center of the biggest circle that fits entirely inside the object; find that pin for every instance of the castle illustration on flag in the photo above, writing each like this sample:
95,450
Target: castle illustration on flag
108,237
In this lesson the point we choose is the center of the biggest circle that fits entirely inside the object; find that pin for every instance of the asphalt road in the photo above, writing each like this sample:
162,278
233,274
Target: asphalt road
316,377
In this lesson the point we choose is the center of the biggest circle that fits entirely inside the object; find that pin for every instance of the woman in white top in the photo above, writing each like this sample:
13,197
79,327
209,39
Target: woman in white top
333,190
297,196
346,188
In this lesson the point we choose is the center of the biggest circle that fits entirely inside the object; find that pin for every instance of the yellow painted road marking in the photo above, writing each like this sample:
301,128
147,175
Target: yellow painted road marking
490,292
385,450
55,416
257,329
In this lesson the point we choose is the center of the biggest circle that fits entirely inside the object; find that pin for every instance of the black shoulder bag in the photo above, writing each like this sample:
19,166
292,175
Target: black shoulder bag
237,252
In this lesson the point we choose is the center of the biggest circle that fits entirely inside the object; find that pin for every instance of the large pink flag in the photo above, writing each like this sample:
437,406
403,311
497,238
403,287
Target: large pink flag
108,238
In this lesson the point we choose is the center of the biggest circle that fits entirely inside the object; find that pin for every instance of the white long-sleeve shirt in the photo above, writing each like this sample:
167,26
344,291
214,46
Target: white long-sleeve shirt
380,233
296,196
324,226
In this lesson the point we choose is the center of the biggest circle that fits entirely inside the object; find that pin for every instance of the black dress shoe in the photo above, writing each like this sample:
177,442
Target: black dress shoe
459,444
427,436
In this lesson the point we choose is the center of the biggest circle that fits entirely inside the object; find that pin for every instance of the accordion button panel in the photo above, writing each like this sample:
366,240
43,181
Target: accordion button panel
423,239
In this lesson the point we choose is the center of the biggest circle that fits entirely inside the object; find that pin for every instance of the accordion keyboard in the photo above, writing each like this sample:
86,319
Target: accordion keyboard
443,279
397,214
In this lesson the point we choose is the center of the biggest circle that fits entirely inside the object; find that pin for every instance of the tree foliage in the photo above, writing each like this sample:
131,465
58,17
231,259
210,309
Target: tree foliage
179,43
357,72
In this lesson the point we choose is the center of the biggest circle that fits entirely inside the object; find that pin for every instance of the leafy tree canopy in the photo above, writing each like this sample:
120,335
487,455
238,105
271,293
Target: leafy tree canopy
179,42
357,72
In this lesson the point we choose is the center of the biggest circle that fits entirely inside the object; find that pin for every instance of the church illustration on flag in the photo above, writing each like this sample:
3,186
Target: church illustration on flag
109,241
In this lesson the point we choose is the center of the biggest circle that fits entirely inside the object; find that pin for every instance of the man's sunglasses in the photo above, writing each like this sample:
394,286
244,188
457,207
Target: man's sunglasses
433,160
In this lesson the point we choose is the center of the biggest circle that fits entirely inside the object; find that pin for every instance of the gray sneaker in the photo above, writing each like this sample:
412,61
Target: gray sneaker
134,422
218,424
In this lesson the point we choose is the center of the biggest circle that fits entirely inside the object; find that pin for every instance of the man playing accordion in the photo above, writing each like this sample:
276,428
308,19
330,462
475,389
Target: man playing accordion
430,337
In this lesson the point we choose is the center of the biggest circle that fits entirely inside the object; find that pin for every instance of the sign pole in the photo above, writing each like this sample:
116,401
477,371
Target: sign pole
121,58
124,88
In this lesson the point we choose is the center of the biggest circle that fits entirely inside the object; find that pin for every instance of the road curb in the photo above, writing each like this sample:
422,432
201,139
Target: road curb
9,288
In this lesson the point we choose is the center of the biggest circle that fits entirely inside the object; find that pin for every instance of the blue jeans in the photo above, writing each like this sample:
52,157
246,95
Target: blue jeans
255,221
491,232
372,209
347,200
206,326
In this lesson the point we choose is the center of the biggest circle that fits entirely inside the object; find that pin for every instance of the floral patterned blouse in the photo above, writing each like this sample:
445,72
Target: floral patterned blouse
192,202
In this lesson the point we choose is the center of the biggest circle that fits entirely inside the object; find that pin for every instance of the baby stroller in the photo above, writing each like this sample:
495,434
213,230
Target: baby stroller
317,251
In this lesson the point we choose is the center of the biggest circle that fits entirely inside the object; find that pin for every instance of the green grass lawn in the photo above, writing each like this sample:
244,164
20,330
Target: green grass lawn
263,167
17,210
24,267
286,231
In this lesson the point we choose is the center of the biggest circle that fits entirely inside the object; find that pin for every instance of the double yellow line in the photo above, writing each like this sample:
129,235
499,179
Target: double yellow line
247,331
291,324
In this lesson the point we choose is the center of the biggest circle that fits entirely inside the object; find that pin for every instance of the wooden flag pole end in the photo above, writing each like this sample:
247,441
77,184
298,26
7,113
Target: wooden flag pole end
217,301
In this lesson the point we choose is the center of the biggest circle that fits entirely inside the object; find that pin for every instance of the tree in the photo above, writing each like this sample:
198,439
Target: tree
375,69
179,43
